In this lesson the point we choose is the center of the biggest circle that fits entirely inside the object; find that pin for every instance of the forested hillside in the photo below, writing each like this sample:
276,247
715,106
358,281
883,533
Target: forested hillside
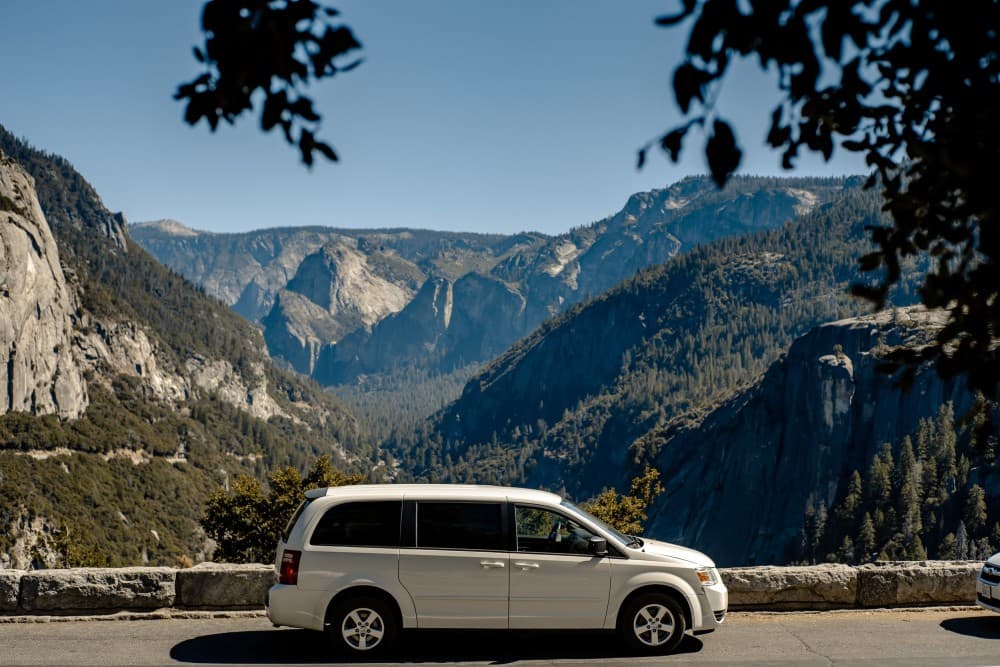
786,447
182,396
934,494
577,404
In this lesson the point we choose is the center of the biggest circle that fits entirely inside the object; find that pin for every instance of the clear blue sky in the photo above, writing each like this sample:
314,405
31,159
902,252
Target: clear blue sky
466,115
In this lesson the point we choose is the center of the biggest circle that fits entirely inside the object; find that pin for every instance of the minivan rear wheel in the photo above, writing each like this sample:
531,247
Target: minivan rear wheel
363,627
652,624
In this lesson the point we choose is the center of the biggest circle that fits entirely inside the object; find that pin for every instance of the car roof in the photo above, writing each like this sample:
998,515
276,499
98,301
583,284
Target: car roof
434,492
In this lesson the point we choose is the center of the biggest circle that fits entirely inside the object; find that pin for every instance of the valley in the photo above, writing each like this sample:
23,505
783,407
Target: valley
708,334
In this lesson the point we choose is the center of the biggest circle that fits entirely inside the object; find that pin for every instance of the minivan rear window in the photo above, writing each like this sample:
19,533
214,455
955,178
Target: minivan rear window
447,525
286,533
360,524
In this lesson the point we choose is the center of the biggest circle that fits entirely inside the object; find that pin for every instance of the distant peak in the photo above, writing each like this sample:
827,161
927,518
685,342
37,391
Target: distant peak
167,226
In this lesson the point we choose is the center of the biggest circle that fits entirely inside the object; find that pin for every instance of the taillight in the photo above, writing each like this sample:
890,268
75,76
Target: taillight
289,573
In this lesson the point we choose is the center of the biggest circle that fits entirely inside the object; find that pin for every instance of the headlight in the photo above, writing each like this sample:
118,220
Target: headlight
708,576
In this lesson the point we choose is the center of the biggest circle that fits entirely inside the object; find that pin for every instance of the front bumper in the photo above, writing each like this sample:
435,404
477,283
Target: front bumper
988,593
714,604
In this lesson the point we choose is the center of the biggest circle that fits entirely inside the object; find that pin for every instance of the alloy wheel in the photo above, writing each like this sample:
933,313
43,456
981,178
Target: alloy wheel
653,625
362,629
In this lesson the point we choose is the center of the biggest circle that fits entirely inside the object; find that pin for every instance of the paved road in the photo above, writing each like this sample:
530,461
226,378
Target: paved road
912,638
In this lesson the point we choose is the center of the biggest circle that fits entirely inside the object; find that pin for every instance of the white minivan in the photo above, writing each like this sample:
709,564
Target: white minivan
363,562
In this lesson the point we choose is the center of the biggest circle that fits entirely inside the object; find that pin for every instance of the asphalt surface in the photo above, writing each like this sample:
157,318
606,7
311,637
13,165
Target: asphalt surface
927,637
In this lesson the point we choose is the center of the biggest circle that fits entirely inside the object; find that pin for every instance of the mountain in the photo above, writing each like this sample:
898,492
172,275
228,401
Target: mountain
38,373
440,301
129,394
577,404
741,478
247,270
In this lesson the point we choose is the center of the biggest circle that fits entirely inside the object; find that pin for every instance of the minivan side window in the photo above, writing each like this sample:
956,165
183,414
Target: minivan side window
451,525
360,524
541,530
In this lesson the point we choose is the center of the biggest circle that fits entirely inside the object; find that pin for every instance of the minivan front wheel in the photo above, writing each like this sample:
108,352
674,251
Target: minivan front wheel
652,624
363,627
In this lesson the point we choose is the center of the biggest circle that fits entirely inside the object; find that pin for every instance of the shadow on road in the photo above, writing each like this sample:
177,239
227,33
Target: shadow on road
986,627
303,646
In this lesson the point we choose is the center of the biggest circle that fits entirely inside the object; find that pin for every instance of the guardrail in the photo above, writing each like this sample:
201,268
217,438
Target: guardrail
212,586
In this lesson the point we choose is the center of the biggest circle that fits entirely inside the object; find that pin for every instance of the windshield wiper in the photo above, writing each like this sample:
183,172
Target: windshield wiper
634,541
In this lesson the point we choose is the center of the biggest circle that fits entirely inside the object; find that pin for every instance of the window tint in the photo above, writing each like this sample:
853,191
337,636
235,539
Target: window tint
460,526
543,531
287,532
362,524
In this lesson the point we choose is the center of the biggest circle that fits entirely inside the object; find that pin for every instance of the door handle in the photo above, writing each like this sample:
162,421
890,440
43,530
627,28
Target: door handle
490,564
526,566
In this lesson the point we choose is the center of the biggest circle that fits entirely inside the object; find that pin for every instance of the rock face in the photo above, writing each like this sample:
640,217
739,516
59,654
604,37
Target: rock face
353,290
116,347
442,325
245,272
33,539
38,373
219,377
815,416
297,329
336,290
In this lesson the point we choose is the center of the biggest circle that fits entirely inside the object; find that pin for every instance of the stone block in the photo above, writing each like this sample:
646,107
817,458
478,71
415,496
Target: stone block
97,589
771,587
894,584
878,586
219,586
10,589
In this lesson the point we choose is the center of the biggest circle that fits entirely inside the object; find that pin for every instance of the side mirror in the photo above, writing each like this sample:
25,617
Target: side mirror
597,546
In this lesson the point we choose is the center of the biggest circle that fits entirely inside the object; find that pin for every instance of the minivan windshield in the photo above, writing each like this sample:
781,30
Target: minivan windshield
626,540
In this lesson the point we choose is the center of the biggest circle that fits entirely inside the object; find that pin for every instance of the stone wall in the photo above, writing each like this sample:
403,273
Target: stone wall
208,586
212,586
885,584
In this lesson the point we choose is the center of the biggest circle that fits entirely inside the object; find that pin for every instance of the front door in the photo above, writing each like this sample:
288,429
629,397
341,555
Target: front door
554,582
458,573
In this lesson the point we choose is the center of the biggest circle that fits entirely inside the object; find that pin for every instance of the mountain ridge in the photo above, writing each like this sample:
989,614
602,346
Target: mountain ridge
529,277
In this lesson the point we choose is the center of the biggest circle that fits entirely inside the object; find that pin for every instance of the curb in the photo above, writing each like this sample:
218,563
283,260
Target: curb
155,615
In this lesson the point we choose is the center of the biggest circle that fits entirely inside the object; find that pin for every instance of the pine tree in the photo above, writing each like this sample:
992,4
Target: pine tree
852,500
975,510
948,550
866,538
845,554
880,477
961,542
981,550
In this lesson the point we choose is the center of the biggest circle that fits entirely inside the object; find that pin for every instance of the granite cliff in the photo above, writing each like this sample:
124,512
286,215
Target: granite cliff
39,372
739,477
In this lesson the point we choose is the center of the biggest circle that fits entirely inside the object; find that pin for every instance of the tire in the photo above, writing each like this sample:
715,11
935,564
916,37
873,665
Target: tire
363,627
652,624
